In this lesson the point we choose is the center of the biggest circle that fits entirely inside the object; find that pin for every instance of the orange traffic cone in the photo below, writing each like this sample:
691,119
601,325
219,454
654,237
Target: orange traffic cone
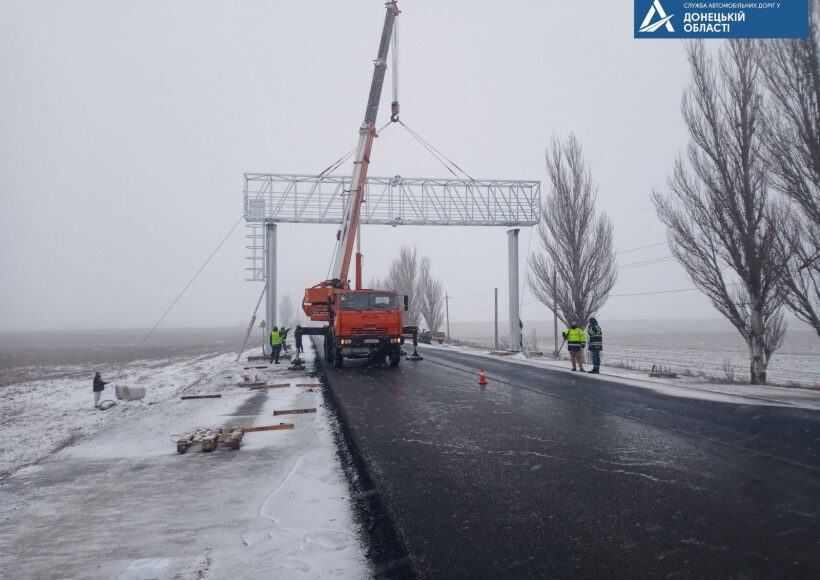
482,380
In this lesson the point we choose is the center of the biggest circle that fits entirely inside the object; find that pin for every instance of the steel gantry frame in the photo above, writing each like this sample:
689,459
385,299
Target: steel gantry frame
272,198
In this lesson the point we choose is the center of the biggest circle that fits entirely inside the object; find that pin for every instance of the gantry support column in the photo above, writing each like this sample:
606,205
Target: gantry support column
512,258
270,282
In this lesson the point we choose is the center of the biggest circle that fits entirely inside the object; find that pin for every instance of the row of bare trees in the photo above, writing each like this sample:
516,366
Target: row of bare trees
743,207
413,277
742,213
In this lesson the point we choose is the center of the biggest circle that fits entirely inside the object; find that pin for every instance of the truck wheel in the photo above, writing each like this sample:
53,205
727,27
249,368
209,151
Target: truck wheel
328,350
338,360
395,359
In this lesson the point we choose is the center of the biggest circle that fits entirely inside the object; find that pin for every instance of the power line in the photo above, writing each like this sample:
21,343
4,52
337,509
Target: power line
643,247
646,262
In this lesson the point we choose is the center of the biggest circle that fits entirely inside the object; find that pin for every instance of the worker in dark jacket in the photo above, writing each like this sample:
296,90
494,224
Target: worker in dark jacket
284,332
596,344
576,341
297,338
275,345
99,385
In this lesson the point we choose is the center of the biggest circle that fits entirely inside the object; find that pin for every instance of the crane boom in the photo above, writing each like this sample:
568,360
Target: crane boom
367,132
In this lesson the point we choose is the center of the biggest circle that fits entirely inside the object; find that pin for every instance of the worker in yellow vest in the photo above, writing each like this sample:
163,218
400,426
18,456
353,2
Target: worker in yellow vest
576,341
275,345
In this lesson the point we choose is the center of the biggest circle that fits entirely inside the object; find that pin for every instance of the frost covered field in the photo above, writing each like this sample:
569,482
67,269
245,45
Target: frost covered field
705,348
87,493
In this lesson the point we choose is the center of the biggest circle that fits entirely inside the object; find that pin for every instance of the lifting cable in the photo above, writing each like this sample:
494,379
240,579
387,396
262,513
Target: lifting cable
440,157
188,285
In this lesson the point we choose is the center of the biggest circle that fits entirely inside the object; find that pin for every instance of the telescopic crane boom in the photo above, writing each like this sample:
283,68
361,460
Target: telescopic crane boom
316,298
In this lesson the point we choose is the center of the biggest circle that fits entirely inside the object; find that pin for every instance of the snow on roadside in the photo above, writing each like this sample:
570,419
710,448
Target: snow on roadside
289,514
40,417
687,387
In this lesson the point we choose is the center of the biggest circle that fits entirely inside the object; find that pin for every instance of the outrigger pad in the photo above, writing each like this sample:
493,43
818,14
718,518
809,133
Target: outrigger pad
415,356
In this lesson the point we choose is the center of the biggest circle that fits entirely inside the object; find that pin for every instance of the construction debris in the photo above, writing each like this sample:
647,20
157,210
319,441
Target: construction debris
270,427
256,387
295,411
208,438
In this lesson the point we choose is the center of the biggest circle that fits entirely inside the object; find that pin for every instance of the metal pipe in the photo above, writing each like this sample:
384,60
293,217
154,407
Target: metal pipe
512,259
270,282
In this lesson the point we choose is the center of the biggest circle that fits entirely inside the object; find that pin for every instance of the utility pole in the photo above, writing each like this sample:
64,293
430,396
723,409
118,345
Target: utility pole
496,320
555,311
447,310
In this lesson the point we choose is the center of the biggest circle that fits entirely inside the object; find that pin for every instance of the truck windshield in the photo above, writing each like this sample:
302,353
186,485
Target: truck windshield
367,301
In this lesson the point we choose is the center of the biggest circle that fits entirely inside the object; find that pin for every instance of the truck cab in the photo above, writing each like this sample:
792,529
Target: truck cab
365,324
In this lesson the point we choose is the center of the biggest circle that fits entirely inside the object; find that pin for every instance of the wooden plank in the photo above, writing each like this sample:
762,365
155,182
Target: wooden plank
248,368
274,386
294,411
314,385
184,397
269,427
258,358
256,384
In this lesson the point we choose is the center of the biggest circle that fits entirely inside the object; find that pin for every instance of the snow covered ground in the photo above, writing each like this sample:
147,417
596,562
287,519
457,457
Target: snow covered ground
104,494
86,493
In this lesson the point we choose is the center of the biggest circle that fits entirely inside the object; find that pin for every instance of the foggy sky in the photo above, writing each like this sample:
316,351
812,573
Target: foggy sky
127,127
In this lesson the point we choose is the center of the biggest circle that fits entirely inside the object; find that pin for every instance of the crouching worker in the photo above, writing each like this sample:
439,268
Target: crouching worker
99,385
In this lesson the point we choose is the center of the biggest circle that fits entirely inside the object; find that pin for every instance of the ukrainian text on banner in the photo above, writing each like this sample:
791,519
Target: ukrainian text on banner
724,19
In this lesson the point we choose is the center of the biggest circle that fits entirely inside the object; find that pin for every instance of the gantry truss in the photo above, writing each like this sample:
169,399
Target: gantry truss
392,200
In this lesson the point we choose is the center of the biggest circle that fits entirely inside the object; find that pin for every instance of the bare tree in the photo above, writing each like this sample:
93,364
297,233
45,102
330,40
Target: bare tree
716,212
430,297
287,313
791,69
576,270
403,279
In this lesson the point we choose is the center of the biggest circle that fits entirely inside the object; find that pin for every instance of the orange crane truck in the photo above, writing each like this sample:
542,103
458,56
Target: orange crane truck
361,323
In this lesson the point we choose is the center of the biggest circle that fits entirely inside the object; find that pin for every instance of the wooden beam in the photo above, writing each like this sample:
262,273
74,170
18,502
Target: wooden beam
294,411
264,386
200,397
269,427
317,385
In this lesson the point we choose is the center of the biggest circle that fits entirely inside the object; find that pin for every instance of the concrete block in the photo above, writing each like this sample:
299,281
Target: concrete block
130,393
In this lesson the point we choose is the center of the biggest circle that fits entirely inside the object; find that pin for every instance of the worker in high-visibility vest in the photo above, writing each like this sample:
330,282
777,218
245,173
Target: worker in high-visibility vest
596,344
576,341
275,345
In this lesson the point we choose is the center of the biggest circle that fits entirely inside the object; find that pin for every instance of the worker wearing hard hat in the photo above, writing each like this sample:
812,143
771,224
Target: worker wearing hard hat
275,345
576,341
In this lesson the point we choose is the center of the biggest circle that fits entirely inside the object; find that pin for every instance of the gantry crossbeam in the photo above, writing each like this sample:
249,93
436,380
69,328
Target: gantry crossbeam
392,201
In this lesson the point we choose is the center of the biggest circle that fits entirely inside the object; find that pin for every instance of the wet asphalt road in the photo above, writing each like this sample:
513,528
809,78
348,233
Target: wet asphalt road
545,474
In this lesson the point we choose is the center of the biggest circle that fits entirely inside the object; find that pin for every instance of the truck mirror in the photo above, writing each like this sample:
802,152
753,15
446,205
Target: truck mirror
406,302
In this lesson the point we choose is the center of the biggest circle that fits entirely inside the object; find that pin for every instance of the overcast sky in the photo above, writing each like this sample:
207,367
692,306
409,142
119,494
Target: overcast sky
127,127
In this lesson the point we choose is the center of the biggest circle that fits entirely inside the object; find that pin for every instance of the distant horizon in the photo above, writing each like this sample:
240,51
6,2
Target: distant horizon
502,323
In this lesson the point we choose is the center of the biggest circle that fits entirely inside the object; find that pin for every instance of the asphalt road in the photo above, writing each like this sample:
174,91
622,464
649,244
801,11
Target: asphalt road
548,474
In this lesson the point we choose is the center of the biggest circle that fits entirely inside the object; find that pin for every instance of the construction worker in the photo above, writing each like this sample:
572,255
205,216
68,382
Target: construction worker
576,341
275,345
284,332
99,385
596,343
297,337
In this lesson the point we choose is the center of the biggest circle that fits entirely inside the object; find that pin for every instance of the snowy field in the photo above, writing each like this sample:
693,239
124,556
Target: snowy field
87,493
705,348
